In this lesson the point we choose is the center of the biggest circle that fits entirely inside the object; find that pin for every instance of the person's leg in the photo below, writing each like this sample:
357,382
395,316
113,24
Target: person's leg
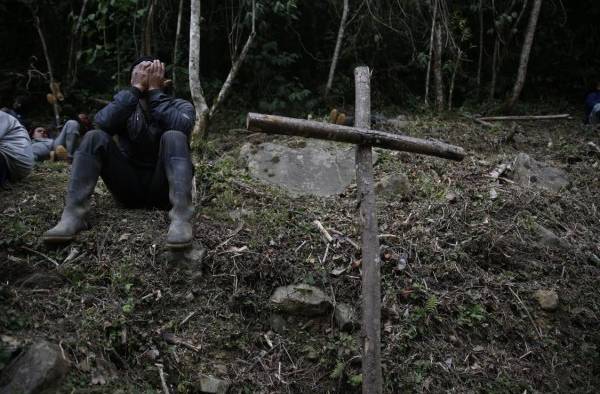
98,155
123,180
172,185
68,138
595,115
3,170
41,150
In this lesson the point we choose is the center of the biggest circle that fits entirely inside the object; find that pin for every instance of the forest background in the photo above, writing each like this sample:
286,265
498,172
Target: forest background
91,43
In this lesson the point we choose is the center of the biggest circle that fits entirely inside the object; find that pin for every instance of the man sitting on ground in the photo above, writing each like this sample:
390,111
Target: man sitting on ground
16,156
62,147
151,164
592,106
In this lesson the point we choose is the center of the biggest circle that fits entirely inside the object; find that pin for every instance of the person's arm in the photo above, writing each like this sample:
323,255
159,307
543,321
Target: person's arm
113,118
170,113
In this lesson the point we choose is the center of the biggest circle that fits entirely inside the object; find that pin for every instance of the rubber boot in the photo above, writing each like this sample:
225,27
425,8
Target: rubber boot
60,153
84,175
179,175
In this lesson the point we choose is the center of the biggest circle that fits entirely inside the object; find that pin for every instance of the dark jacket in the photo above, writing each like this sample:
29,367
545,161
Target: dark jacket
591,99
140,131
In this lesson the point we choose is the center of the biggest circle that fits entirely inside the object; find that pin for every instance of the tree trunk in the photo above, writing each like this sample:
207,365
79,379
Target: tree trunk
53,84
338,46
176,45
480,61
201,124
525,52
437,68
235,67
371,277
494,69
72,58
453,79
430,59
148,29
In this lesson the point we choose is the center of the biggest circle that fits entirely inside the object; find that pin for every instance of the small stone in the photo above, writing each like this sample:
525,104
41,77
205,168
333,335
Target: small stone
395,186
548,239
210,385
40,367
451,197
345,317
188,259
301,299
278,323
548,299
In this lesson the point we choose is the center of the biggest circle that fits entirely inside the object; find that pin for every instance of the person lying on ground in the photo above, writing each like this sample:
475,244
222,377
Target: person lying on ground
592,106
16,155
64,145
149,167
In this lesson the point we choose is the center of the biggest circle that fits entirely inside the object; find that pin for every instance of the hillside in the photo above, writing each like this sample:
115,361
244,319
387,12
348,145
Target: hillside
463,255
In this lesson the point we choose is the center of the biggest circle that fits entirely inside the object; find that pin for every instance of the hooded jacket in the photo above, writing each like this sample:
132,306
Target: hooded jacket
139,130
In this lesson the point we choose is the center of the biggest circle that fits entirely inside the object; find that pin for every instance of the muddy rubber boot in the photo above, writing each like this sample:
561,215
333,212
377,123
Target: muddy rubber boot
179,174
84,175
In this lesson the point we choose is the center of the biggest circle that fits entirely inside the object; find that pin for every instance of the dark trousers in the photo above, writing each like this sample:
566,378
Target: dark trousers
3,171
132,185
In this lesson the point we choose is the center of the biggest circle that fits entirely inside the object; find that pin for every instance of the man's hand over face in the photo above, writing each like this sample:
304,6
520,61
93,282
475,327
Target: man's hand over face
139,76
156,75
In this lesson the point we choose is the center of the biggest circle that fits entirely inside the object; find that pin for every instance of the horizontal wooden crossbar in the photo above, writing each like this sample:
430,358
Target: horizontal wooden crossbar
273,124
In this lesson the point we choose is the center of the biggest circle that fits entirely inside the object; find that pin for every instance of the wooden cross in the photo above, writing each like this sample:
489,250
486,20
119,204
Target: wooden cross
365,139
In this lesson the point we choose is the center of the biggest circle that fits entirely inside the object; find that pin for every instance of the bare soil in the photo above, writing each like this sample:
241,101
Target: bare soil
460,317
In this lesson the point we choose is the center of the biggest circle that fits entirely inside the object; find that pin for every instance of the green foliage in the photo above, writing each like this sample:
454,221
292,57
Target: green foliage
472,316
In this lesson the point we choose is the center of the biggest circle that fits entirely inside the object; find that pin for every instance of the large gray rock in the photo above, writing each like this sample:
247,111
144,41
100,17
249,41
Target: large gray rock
311,167
301,299
210,385
528,172
38,369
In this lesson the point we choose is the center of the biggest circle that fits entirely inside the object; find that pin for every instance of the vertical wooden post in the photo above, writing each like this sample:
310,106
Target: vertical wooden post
371,281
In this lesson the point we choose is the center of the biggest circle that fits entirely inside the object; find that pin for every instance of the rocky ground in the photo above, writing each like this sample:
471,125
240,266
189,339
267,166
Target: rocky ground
490,272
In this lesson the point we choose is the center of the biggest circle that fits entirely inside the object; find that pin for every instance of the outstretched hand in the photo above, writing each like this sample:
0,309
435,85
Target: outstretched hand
156,75
139,76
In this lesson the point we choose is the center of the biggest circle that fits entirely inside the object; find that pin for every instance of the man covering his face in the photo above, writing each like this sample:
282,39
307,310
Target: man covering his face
150,166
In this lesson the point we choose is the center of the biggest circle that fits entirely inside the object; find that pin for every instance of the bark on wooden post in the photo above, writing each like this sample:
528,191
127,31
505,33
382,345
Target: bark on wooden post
371,281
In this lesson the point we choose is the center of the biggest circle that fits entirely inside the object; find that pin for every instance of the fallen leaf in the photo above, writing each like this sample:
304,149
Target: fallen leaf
338,271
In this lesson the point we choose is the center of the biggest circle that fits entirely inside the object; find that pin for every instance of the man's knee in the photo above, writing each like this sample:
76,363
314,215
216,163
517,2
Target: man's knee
94,139
173,135
174,143
72,127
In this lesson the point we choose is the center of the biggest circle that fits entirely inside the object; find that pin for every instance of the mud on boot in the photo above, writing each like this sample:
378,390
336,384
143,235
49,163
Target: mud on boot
179,174
84,175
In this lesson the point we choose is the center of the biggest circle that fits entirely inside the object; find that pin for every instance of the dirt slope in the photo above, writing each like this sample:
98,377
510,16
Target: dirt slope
460,317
